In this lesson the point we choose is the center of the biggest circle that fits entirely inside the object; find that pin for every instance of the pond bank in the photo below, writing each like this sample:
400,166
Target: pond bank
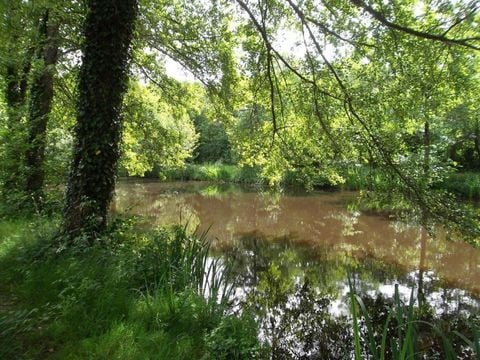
466,185
136,295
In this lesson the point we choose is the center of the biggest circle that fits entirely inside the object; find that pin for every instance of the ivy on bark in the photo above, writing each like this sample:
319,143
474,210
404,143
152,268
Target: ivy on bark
103,76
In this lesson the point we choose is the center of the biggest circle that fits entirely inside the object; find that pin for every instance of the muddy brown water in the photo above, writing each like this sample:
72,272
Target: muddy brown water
314,231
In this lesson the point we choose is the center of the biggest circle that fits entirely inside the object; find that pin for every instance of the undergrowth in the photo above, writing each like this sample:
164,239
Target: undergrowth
465,185
134,295
213,172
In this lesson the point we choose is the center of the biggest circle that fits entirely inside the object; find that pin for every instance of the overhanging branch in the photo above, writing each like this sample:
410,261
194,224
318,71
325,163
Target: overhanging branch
420,34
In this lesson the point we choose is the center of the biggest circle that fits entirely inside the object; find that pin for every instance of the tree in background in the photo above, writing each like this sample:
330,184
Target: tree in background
35,32
213,142
41,97
17,47
157,135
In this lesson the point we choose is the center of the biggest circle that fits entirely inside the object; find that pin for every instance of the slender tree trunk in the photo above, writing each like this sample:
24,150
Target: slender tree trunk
477,141
424,219
421,265
15,96
10,164
426,151
103,76
41,95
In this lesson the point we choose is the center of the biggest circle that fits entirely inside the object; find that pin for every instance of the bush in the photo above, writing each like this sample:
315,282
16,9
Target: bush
215,172
235,338
466,185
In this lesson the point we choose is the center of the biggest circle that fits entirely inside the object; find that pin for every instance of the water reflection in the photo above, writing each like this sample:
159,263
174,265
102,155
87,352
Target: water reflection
300,296
291,255
318,221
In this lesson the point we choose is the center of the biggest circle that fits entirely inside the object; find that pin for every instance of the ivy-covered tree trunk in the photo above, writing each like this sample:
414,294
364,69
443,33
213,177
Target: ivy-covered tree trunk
102,83
41,95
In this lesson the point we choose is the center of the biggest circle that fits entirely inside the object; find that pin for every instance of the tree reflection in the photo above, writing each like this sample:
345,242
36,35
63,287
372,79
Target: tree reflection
291,254
299,294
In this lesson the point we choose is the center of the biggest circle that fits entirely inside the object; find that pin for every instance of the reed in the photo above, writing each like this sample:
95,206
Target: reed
403,343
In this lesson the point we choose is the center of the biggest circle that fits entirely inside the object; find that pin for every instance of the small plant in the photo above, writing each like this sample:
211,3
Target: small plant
235,338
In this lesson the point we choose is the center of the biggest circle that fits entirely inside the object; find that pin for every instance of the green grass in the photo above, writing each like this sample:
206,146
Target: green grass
214,172
135,295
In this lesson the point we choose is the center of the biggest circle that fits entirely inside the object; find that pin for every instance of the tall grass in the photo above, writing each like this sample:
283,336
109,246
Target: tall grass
175,263
399,334
135,295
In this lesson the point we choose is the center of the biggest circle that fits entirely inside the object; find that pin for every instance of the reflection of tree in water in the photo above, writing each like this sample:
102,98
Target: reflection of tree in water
299,294
317,219
280,284
158,209
291,255
298,324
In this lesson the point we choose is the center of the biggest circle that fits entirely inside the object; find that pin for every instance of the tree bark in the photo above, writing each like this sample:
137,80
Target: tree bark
15,96
41,96
426,152
103,76
477,142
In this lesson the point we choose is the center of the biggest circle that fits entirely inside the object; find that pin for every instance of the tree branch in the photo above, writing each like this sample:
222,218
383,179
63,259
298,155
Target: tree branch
420,34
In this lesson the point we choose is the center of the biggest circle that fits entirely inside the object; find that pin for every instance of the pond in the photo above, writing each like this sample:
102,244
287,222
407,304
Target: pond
293,253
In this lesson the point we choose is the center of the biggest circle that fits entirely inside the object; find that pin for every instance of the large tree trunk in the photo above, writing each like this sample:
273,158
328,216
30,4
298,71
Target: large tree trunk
41,95
103,76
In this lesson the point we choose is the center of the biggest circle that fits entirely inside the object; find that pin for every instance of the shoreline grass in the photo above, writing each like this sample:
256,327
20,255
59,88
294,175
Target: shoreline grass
214,172
465,185
399,335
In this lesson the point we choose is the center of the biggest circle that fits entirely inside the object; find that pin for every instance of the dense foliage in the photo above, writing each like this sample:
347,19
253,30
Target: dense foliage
372,95
301,92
